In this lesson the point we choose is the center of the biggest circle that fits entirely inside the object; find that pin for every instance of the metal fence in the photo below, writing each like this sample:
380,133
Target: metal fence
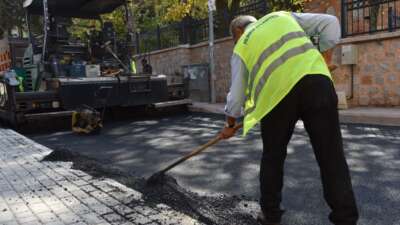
369,16
190,31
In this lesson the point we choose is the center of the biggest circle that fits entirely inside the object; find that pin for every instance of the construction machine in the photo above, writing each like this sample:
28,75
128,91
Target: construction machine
63,73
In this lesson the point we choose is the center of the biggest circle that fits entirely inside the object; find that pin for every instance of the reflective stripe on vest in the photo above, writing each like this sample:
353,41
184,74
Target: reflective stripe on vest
273,48
278,62
277,53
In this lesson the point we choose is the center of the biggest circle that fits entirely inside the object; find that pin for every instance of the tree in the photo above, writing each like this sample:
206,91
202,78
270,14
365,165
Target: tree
228,9
12,15
151,13
187,8
225,11
290,5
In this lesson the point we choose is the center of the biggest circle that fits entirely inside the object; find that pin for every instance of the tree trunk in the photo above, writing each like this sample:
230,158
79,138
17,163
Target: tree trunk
225,15
235,5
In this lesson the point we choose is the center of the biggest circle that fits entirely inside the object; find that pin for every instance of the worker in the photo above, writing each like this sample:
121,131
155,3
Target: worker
147,69
133,66
279,77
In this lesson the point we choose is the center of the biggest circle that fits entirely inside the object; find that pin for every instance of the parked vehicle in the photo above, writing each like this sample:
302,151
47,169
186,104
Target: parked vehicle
63,73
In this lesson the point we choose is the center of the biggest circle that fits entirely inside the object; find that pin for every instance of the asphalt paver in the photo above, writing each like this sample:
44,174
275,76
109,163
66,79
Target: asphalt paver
143,146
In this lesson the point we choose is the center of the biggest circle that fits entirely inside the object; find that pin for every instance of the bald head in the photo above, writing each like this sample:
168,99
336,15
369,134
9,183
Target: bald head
239,24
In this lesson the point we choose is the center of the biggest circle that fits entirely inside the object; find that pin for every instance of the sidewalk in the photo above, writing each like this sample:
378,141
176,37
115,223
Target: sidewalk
370,115
34,192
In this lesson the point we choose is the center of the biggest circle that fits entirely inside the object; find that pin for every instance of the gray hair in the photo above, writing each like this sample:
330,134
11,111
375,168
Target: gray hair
241,22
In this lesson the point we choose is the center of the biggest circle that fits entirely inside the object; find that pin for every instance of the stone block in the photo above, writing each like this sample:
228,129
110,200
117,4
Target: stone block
39,208
366,80
392,78
47,217
80,182
93,218
384,66
398,67
123,209
81,209
69,218
28,220
127,197
88,188
70,201
114,218
139,219
379,79
6,215
79,194
373,91
101,209
364,101
58,207
19,208
107,185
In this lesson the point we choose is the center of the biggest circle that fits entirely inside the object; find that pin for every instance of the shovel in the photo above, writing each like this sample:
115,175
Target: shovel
158,177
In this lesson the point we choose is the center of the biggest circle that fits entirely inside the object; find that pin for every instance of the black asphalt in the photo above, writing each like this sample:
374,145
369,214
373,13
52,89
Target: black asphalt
144,146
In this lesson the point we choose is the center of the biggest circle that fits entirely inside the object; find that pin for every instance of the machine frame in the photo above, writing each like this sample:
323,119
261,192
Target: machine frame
62,95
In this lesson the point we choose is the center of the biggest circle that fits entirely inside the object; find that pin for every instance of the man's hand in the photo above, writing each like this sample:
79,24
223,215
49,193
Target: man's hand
332,67
230,128
227,132
328,59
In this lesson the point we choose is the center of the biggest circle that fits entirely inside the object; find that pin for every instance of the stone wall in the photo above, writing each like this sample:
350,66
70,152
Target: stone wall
170,62
376,75
377,72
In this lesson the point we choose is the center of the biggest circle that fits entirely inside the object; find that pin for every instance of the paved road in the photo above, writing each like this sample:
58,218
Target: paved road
146,146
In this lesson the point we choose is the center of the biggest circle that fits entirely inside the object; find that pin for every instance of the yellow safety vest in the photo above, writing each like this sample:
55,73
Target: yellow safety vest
133,67
277,53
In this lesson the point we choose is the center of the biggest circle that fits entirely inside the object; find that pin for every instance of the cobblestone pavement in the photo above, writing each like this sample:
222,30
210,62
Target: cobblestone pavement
34,192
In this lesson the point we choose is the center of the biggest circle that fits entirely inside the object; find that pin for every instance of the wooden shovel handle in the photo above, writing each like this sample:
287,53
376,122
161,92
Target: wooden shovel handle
198,150
238,126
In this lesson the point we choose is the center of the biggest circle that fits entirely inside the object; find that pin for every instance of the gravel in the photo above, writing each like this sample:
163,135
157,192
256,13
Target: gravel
221,209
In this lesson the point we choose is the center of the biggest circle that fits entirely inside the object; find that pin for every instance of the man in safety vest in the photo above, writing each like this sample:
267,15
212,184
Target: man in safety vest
133,66
279,77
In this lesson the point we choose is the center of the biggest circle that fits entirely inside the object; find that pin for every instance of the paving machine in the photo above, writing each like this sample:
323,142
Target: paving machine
63,73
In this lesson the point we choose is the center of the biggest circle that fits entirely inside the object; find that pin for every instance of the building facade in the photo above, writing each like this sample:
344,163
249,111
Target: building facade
369,31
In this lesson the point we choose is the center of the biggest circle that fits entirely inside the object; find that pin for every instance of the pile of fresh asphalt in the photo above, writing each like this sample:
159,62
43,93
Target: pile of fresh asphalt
221,210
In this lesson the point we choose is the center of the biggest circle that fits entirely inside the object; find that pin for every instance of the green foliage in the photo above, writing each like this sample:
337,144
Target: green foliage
289,5
147,13
189,8
12,15
80,28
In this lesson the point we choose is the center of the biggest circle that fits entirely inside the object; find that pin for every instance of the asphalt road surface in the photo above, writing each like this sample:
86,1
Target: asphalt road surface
144,146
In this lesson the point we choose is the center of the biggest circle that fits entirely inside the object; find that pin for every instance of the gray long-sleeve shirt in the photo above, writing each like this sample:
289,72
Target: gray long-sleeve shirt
325,26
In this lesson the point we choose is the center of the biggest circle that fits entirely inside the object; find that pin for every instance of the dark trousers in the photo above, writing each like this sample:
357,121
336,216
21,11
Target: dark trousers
314,101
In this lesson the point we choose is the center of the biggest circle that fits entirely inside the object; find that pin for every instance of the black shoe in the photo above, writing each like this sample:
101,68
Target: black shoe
261,219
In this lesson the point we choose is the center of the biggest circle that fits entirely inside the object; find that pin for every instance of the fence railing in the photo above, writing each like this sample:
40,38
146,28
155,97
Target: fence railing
190,31
369,16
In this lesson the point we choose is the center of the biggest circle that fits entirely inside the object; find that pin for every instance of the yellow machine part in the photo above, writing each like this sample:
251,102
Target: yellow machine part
86,121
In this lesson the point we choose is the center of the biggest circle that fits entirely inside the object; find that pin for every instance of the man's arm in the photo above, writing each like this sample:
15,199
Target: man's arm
326,27
236,97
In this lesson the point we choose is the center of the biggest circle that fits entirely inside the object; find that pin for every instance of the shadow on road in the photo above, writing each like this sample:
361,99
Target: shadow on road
145,146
